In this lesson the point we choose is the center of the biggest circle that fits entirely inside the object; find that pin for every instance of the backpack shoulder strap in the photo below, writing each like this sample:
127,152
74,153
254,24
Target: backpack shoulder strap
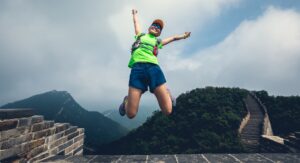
137,42
158,41
139,36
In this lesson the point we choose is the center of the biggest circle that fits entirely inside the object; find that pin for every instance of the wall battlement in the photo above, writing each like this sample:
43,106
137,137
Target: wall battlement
25,137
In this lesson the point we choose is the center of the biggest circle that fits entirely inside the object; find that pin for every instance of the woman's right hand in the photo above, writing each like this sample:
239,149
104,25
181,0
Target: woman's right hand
134,11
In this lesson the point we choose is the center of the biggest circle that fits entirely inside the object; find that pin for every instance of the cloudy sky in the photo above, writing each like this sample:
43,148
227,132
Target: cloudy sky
83,47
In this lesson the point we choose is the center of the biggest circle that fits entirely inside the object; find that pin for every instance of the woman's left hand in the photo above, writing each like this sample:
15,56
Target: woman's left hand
186,35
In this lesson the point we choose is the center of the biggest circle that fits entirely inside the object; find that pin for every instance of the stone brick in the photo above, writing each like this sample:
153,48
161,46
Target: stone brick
12,133
79,137
69,150
4,154
37,127
34,152
26,147
70,130
8,124
43,133
78,151
49,124
15,141
68,154
72,147
73,135
81,141
65,145
81,130
57,142
37,119
24,122
53,151
41,126
17,150
61,127
54,137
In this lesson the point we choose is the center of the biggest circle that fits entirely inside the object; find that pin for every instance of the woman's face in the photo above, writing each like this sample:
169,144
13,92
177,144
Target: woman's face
155,30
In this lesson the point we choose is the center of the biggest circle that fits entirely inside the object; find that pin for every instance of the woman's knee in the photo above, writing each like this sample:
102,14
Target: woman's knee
131,113
167,110
133,102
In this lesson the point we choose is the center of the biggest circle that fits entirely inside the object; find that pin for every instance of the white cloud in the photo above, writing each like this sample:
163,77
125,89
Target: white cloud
83,48
67,47
259,54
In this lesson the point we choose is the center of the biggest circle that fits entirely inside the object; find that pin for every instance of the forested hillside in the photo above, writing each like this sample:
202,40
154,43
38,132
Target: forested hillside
204,120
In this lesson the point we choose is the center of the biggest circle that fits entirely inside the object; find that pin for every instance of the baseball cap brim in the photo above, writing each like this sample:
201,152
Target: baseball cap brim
160,22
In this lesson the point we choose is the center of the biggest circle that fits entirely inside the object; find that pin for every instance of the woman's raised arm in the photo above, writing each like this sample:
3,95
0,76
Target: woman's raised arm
137,27
175,38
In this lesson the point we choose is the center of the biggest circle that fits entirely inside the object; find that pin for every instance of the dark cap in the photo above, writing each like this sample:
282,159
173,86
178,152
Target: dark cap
159,22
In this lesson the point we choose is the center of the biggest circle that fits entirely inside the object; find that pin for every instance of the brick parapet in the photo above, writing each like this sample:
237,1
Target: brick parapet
32,139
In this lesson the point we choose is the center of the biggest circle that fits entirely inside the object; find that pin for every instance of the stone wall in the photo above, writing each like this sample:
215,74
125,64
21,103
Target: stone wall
276,144
270,142
273,144
245,119
267,127
33,139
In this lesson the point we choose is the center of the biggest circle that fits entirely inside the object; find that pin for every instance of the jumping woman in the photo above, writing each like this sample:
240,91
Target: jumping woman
145,71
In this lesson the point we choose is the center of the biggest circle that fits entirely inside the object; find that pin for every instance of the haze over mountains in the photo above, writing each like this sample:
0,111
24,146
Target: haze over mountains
144,112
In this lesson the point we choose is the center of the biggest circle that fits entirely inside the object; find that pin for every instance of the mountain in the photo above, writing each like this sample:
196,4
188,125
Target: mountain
204,120
61,107
143,113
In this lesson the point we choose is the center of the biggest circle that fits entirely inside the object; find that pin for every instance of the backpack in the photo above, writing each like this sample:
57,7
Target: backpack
138,44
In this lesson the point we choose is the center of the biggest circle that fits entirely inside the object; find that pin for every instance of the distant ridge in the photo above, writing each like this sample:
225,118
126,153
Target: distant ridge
144,112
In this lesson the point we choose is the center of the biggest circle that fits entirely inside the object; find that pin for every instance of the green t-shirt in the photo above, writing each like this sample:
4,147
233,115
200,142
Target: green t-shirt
143,54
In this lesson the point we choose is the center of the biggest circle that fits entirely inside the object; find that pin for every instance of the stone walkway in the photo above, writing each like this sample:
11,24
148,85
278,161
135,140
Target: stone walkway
182,158
251,134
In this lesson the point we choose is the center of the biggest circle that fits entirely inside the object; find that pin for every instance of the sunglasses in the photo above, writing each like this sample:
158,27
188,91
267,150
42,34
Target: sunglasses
157,26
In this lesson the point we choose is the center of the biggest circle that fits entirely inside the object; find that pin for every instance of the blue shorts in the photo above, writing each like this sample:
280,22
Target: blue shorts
144,75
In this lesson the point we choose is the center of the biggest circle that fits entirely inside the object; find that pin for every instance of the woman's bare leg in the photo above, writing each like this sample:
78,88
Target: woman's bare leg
132,106
164,99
